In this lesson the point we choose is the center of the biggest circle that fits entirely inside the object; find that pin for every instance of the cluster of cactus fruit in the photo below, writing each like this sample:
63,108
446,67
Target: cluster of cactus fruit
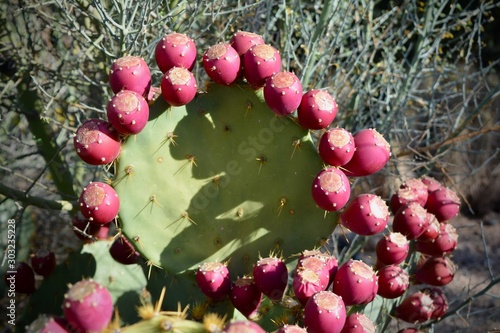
206,180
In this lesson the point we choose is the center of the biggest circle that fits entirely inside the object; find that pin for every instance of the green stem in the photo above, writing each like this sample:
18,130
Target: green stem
36,201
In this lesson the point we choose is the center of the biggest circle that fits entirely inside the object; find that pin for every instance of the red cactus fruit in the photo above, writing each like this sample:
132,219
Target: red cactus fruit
331,189
324,312
222,64
130,73
330,261
259,63
317,109
439,301
366,214
420,189
290,329
355,282
306,283
410,220
431,183
401,197
47,324
283,93
445,243
87,231
178,86
242,41
393,281
213,280
432,230
271,277
358,323
43,262
88,306
245,296
128,112
22,280
415,308
436,271
96,142
123,251
336,146
242,326
316,264
444,203
392,249
175,50
371,155
99,203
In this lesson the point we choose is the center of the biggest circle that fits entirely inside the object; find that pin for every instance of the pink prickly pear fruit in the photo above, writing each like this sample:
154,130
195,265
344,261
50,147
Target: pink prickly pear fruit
271,277
415,308
123,251
245,296
331,189
130,73
324,312
43,262
440,302
290,329
99,203
47,324
96,142
88,306
283,93
431,183
306,283
319,265
330,261
358,323
128,112
336,146
356,282
22,280
242,326
393,281
242,41
392,249
436,271
259,63
371,155
410,220
222,64
366,214
317,109
432,230
445,243
401,197
420,189
178,86
175,50
444,203
213,280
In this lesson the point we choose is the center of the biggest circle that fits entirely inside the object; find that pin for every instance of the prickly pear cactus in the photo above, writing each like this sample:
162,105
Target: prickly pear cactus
222,178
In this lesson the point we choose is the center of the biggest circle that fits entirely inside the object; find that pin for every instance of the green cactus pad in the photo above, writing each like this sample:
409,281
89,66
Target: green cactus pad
221,178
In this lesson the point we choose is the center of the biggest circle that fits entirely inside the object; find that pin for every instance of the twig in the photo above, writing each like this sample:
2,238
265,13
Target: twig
36,201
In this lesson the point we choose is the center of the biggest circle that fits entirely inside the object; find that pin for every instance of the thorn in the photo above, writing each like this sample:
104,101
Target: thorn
281,205
262,160
296,145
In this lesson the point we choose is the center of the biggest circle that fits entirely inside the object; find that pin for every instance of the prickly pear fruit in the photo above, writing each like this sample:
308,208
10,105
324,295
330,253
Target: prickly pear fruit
393,281
436,271
392,249
439,300
306,283
22,280
401,197
331,189
178,86
123,251
283,93
242,41
222,64
415,308
242,326
355,282
47,324
431,183
246,296
317,265
128,112
96,142
88,306
317,109
99,203
432,230
271,277
410,220
371,155
43,262
213,280
130,73
290,329
358,323
259,63
445,243
419,188
175,50
366,214
324,312
336,146
330,261
444,203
